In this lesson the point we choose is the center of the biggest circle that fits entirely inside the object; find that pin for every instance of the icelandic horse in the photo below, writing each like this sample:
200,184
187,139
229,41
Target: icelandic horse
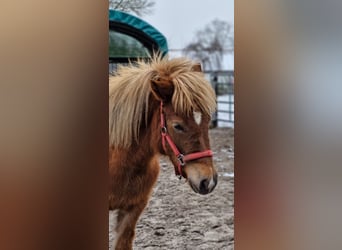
160,107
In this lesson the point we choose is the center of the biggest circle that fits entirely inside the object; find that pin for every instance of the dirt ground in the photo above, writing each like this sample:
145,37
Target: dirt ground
178,218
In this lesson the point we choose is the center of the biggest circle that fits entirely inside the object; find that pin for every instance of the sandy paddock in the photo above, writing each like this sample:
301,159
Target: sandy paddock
178,218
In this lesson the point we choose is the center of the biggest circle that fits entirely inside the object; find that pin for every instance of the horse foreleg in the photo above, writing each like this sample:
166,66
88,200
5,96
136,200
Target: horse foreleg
125,228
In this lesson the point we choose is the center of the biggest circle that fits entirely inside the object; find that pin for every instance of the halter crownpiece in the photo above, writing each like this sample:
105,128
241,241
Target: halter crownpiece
182,159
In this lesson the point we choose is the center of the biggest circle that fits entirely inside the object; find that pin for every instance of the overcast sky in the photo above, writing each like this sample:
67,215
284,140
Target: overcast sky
178,20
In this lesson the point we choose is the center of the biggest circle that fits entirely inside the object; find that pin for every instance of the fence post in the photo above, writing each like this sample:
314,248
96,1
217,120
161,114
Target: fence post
214,122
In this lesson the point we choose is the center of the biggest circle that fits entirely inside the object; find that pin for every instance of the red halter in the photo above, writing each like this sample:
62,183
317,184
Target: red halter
182,159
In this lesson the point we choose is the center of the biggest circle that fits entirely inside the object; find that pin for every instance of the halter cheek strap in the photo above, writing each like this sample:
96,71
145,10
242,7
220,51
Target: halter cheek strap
182,159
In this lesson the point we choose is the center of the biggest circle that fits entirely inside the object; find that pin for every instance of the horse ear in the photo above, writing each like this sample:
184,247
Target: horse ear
162,90
197,67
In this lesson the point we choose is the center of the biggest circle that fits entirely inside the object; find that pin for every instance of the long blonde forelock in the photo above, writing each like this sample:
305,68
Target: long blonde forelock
129,94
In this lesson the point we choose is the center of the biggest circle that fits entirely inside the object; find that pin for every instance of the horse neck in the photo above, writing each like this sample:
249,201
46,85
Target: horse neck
155,131
149,142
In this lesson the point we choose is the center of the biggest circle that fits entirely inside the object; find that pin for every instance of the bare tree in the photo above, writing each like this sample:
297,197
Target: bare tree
137,7
211,43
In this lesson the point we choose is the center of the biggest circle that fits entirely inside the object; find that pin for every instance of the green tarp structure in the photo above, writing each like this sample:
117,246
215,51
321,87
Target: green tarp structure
131,38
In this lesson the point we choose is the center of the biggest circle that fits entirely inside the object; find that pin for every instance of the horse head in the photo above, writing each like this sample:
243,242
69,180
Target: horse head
184,127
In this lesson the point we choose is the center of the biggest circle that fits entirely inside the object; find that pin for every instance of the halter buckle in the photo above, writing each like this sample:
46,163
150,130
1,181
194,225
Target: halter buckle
180,158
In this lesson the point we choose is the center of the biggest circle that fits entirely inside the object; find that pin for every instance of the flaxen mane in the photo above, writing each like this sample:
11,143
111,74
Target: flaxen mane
130,89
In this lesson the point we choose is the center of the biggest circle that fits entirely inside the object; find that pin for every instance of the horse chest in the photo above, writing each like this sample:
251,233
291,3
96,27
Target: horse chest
134,185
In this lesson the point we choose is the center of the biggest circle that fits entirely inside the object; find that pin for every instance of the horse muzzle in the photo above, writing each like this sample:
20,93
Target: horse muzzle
201,183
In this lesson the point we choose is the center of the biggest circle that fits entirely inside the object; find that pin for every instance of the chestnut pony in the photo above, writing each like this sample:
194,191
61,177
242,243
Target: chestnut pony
160,107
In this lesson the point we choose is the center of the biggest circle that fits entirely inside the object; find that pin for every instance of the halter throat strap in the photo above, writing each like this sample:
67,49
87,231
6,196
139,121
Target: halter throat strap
182,159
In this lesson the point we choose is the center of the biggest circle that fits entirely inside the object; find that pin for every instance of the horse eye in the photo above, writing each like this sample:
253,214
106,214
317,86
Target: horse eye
178,127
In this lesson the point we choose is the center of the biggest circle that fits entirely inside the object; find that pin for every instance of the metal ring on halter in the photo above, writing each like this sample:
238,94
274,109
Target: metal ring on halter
163,130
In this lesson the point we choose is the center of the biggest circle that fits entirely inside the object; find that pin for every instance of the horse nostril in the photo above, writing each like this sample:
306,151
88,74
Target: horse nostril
203,188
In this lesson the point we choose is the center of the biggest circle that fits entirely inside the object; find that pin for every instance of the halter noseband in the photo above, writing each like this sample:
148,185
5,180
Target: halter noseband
182,159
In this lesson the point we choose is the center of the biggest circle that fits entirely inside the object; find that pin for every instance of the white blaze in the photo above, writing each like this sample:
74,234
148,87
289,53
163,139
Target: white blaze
197,117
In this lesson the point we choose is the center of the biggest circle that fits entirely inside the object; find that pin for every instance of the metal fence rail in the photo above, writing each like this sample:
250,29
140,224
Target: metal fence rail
223,84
